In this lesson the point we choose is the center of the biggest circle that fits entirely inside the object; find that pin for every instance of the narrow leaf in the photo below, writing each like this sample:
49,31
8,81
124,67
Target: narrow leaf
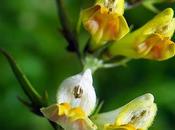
27,87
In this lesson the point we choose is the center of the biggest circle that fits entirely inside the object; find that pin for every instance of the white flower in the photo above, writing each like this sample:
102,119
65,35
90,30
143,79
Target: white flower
78,91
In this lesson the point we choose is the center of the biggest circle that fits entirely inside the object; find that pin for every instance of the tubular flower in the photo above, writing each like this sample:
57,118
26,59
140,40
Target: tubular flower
136,115
76,99
78,91
105,22
152,41
74,115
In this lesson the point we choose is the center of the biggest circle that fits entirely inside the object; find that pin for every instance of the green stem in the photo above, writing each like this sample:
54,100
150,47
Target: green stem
36,101
94,63
116,64
27,87
67,31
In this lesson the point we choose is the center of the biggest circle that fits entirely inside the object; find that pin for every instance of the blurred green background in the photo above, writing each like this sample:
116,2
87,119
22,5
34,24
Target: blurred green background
29,31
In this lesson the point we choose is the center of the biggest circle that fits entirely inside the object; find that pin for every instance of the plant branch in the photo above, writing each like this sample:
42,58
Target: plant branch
36,101
27,87
116,64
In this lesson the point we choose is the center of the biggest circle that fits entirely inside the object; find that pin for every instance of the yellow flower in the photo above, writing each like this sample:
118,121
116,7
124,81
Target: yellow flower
137,114
152,41
105,22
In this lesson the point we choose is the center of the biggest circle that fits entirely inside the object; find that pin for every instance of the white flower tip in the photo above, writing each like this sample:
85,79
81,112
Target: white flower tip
148,97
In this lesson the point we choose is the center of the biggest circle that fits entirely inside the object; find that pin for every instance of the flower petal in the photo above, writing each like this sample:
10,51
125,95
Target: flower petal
160,23
69,118
162,48
117,6
78,91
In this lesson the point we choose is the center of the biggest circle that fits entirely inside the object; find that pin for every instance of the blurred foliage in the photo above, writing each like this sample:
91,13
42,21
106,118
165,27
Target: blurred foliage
29,31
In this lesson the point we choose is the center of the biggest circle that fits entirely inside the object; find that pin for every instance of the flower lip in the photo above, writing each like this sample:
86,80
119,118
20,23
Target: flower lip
159,47
69,118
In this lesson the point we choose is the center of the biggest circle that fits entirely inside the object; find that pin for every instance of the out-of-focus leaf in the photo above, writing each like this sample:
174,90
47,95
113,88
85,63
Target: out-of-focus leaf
67,31
27,87
24,102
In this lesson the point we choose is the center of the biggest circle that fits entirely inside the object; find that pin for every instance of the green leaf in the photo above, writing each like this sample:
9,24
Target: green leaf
25,84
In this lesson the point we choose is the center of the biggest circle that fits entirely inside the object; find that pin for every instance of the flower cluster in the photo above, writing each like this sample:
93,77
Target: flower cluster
106,23
76,100
76,97
110,39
